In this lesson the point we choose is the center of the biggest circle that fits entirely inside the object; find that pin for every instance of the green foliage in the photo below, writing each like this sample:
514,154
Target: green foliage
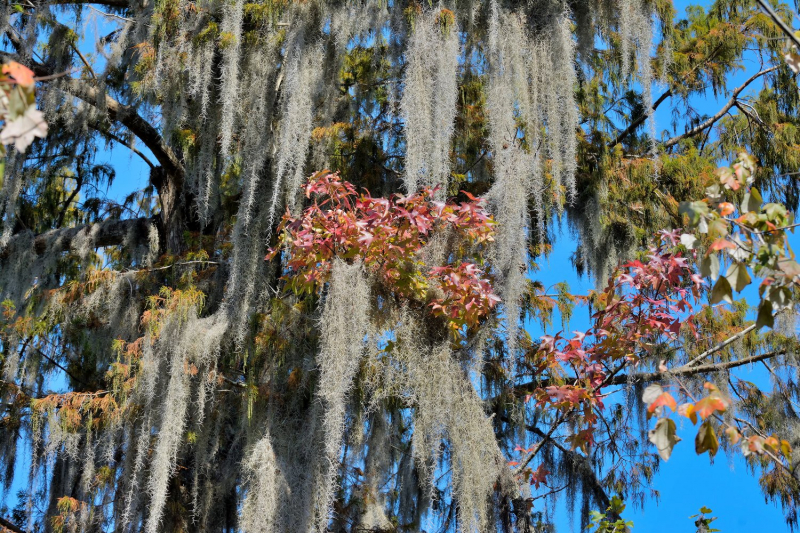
604,523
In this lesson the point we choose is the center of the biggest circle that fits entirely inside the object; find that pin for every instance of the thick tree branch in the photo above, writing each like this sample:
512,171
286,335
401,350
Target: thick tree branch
640,120
721,113
168,178
128,117
106,233
10,526
125,115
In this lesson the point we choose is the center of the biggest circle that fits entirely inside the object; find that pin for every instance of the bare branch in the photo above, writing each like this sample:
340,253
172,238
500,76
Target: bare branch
723,344
11,526
721,113
122,142
640,120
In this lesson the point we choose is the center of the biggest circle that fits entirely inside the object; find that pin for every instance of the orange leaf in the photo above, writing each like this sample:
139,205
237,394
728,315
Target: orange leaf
708,406
664,399
733,435
720,244
688,411
726,208
22,74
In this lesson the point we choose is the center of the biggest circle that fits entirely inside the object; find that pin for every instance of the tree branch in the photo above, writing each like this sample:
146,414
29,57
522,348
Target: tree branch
640,120
733,338
721,113
10,526
687,370
106,233
785,28
646,377
122,142
581,462
123,114
128,117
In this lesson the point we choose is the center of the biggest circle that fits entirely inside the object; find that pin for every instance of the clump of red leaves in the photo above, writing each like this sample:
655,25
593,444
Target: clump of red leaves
644,304
387,234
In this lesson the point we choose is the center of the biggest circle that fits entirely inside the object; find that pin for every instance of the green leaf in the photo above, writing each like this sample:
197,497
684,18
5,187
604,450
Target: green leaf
709,267
718,228
705,510
721,292
738,276
765,316
752,201
695,210
706,440
775,211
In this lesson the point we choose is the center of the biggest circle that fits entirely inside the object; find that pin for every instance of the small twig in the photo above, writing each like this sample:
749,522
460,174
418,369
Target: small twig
779,21
53,76
721,345
126,145
85,62
110,15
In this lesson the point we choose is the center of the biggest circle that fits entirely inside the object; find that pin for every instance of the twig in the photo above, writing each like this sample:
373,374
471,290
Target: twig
721,345
779,21
85,62
110,15
721,113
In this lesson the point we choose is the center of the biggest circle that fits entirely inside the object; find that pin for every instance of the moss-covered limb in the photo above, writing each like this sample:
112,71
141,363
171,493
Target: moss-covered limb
110,232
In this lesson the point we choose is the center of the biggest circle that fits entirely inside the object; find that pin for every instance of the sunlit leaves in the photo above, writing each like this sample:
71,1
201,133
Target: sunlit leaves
756,241
688,410
387,234
646,302
710,405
